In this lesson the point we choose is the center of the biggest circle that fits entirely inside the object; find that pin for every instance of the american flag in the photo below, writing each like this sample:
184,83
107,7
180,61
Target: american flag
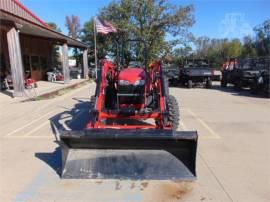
104,27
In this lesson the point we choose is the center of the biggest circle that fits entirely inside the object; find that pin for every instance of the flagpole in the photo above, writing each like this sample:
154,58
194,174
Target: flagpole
95,39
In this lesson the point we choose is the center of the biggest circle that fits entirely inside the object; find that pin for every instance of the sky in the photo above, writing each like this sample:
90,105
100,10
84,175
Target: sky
214,18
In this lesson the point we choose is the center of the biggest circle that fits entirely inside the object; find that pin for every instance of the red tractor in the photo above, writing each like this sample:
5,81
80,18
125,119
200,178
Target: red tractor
132,110
134,93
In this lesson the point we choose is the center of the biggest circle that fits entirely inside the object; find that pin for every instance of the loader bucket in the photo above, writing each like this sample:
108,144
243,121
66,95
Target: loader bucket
129,154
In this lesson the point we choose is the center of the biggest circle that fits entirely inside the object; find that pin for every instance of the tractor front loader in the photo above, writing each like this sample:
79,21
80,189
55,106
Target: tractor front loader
133,112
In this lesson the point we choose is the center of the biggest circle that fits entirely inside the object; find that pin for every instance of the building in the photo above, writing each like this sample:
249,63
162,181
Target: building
27,42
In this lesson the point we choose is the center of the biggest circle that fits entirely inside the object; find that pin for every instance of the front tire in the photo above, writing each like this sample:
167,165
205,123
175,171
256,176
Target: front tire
173,109
238,85
223,83
254,89
208,83
189,84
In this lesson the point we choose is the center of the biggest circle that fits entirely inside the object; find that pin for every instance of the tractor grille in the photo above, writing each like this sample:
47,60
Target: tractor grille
131,89
130,94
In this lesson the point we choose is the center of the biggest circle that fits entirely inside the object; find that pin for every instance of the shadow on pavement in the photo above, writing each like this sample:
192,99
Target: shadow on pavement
107,164
7,93
52,159
229,89
73,119
232,91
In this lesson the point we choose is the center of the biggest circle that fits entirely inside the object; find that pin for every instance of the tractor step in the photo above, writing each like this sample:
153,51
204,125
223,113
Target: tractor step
128,154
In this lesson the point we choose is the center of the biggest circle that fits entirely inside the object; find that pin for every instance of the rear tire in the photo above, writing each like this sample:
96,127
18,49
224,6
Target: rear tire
254,89
190,84
266,90
238,85
208,83
223,83
174,115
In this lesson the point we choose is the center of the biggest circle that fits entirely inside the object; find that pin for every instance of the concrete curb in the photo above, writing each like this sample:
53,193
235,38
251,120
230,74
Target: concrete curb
58,92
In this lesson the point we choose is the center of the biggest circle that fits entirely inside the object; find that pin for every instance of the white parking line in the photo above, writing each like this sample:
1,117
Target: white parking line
183,126
213,134
36,128
30,123
29,134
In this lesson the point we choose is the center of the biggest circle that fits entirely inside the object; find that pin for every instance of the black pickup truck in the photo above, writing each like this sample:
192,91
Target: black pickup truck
196,72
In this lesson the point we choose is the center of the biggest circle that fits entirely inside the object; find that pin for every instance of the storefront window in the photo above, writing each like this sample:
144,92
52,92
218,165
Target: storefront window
43,63
26,63
35,63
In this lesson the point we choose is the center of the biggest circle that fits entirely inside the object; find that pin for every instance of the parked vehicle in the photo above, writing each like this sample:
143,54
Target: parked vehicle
55,74
241,73
75,72
226,70
7,81
216,75
196,72
261,84
92,72
28,81
172,74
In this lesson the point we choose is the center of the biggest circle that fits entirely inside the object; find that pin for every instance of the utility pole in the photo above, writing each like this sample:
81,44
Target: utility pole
95,39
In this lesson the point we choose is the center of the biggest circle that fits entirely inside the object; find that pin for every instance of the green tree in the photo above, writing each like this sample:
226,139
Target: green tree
104,42
180,53
202,45
248,49
234,48
54,26
219,50
262,42
56,60
149,20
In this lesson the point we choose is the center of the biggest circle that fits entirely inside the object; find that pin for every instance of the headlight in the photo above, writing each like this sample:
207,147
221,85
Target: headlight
123,82
139,83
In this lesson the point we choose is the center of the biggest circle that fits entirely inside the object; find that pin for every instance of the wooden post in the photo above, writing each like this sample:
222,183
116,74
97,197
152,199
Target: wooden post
65,63
16,65
85,64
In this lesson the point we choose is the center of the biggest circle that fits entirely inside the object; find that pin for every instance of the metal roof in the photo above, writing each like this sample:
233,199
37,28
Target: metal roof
14,11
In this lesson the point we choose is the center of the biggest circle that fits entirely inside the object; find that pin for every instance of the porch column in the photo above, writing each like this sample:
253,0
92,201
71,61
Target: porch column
85,64
65,63
16,65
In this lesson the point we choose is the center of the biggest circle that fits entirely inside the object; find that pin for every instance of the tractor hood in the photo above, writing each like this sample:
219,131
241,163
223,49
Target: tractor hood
131,74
